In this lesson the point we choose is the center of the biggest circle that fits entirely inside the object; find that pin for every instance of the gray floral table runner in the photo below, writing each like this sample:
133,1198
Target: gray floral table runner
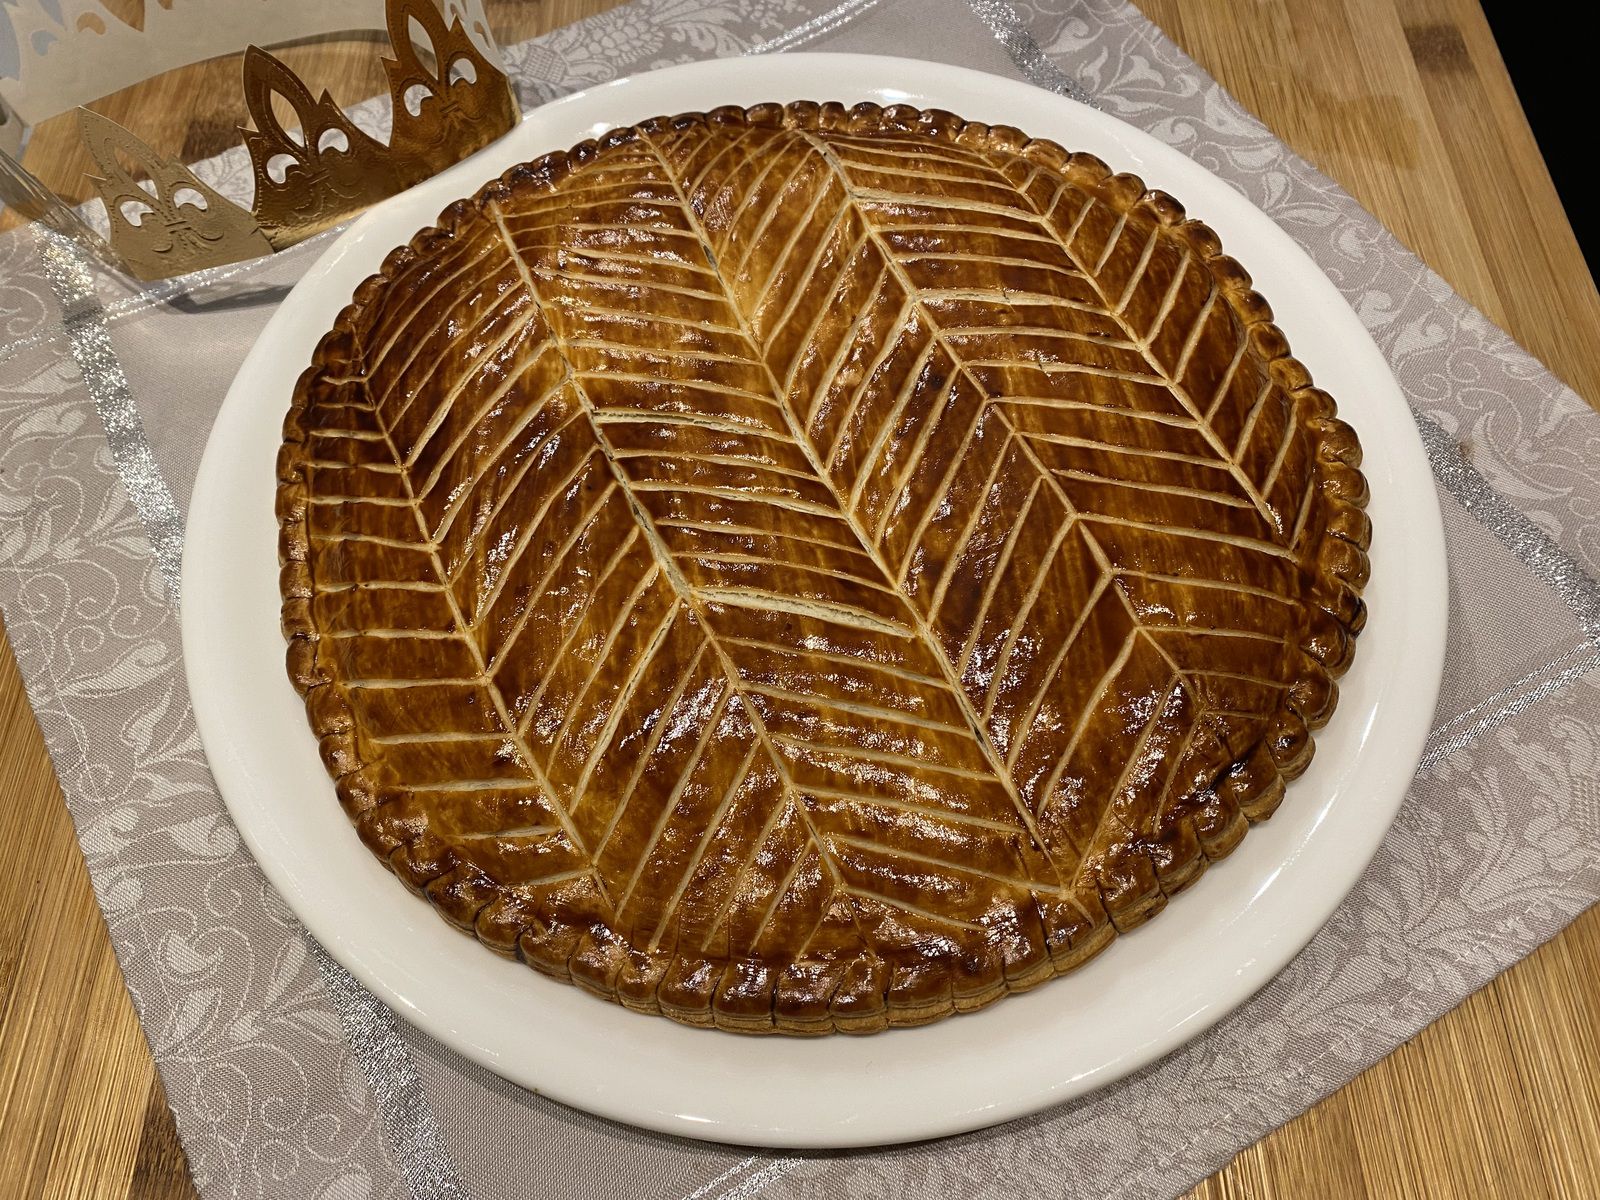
288,1080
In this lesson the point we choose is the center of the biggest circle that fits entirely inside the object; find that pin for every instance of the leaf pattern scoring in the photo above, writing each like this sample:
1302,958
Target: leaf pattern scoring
803,569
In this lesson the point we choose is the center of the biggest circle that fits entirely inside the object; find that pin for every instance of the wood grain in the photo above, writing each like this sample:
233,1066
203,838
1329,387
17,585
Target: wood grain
1407,104
82,1112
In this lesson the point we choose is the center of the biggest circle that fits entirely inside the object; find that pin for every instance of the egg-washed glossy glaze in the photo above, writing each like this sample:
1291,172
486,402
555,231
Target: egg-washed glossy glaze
797,569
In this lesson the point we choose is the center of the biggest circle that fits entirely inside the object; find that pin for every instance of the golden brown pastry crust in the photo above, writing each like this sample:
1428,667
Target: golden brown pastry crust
819,839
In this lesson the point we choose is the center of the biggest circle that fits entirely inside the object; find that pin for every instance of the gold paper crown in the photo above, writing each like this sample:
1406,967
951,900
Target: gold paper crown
303,183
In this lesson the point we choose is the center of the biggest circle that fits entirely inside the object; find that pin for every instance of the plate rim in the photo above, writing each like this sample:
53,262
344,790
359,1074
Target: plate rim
218,728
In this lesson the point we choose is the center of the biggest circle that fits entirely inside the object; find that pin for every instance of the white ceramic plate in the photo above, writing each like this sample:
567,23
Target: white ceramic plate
1149,993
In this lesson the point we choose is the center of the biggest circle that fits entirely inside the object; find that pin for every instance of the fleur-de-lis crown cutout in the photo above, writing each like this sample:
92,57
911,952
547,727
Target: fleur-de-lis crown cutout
460,103
176,220
307,179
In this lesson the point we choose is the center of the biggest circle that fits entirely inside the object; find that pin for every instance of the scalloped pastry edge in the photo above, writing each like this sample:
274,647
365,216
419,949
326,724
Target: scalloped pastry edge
861,995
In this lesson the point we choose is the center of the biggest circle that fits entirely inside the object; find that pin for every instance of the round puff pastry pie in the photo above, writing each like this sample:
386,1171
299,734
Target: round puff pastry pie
802,569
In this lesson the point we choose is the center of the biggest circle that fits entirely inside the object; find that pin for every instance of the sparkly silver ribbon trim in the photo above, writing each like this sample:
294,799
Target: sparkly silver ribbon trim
409,1123
67,268
1008,28
1443,744
1001,18
166,290
818,26
1536,550
739,1182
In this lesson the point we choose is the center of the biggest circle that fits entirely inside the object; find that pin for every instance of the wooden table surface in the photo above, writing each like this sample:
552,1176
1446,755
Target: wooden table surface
1407,104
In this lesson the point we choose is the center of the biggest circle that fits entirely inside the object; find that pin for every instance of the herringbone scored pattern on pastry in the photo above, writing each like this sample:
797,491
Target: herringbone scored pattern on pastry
796,569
